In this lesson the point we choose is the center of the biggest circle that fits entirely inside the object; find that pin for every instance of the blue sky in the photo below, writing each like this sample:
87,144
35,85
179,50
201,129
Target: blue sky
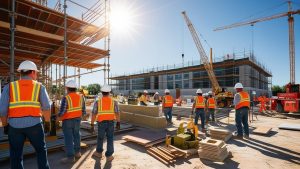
160,35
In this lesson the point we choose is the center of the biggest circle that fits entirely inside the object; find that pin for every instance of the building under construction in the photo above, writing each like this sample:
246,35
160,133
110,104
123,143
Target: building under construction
184,79
53,39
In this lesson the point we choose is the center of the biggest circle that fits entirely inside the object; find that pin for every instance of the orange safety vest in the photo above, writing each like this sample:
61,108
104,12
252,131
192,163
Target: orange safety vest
106,109
74,109
168,101
24,99
245,100
199,102
211,103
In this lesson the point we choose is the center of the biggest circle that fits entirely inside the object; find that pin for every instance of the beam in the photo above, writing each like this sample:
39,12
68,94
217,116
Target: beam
12,26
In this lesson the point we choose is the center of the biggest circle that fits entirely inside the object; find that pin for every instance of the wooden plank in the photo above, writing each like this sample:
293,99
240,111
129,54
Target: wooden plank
166,152
262,130
161,154
157,157
288,126
155,142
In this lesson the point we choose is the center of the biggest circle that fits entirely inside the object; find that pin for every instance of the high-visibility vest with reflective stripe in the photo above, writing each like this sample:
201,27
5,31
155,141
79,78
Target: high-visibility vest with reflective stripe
74,109
168,101
199,100
24,99
106,109
211,103
245,100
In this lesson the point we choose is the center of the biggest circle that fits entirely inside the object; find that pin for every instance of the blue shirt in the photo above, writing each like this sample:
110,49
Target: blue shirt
95,107
24,121
64,105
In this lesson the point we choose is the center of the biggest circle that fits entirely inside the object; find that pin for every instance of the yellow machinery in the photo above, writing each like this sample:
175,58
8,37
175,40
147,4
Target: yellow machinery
223,98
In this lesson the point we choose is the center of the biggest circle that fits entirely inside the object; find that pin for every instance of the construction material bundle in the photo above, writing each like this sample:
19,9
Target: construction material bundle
212,149
164,154
145,116
220,134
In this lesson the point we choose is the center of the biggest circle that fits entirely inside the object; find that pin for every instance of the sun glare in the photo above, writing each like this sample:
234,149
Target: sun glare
122,19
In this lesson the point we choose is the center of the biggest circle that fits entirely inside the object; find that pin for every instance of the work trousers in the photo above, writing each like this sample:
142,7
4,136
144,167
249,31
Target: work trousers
106,128
200,113
36,137
241,120
71,130
168,114
210,113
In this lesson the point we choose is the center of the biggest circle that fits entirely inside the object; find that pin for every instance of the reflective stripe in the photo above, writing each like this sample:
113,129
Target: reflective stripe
70,104
36,91
24,104
16,91
100,108
199,104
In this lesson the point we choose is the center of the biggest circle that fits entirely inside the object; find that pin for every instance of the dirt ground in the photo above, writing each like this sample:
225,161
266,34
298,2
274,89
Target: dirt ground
280,149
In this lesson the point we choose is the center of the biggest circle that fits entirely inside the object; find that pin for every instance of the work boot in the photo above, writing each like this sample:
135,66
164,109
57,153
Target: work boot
110,158
247,137
96,154
67,160
238,137
77,155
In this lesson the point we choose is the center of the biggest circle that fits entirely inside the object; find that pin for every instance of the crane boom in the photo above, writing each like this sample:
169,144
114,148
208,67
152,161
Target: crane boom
289,14
252,22
212,77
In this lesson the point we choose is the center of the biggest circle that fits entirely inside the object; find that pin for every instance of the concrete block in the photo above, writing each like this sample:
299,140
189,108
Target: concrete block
148,121
126,117
154,111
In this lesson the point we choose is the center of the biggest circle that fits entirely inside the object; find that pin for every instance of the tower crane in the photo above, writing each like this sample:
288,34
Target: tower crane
223,98
289,14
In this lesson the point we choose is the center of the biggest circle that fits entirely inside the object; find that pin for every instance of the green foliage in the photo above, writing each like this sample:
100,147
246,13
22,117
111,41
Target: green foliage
277,89
93,89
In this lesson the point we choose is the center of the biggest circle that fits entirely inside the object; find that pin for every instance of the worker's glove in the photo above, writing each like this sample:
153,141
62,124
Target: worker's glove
92,130
46,127
6,129
118,126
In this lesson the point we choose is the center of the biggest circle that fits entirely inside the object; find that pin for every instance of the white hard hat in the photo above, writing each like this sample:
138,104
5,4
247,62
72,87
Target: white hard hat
210,93
71,84
167,91
156,93
105,88
238,86
27,65
199,91
145,91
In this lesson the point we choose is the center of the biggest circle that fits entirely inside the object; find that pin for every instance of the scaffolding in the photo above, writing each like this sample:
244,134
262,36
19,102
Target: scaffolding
52,39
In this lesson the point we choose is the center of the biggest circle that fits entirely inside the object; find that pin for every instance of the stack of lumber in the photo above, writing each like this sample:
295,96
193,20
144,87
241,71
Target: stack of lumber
145,116
146,138
164,154
214,150
220,134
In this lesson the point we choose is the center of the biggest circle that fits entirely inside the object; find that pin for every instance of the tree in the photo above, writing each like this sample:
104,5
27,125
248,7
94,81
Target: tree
277,89
93,89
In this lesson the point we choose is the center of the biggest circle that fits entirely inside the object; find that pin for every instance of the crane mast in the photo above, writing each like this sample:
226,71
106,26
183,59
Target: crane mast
212,77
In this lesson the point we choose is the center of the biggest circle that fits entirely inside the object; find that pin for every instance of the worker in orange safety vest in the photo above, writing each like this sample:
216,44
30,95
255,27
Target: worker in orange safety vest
242,105
105,112
198,108
71,110
211,106
167,106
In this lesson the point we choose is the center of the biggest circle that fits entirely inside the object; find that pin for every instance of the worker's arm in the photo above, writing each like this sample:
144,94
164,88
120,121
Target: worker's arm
4,104
63,108
83,106
193,107
236,99
94,112
163,103
117,111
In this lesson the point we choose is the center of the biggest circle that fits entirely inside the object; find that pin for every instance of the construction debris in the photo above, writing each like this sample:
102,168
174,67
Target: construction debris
220,134
214,150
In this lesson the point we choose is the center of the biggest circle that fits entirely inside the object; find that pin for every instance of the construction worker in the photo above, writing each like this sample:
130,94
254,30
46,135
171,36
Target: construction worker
198,106
143,98
242,105
156,98
71,110
262,100
211,106
105,111
21,104
167,106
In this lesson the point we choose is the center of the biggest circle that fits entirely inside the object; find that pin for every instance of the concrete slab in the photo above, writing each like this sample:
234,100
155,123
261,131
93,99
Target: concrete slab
287,126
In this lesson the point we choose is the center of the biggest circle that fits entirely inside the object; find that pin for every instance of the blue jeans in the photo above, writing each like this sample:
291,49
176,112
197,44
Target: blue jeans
241,117
71,130
200,113
211,112
36,136
168,114
106,127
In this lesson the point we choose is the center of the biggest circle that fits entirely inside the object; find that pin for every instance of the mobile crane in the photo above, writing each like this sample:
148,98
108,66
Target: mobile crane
223,98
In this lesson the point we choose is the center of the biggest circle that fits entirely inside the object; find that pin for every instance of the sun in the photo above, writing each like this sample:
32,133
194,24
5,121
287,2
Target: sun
122,19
